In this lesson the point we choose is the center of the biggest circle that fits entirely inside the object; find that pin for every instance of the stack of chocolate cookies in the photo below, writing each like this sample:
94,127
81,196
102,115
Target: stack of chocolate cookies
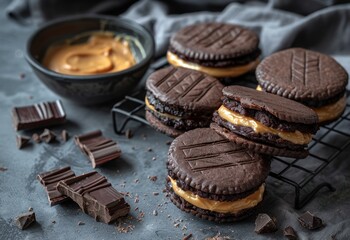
218,173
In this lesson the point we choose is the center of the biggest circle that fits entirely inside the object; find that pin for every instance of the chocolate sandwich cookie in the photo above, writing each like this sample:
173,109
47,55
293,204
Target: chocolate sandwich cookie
180,99
311,78
218,49
213,178
264,122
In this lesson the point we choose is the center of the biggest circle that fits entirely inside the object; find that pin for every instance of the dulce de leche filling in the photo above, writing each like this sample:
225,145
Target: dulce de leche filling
220,206
151,107
102,53
330,111
296,137
212,71
326,112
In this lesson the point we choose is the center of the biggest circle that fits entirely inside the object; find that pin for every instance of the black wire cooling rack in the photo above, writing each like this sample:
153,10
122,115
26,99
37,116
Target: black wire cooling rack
327,145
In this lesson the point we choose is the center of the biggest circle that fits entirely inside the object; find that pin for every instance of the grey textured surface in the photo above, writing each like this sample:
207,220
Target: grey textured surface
20,190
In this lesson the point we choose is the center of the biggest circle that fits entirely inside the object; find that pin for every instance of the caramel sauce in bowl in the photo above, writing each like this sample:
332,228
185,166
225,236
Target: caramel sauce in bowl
90,59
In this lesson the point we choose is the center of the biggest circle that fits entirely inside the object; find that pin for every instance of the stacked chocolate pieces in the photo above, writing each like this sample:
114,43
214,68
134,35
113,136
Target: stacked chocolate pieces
98,148
265,123
38,115
95,196
91,191
50,180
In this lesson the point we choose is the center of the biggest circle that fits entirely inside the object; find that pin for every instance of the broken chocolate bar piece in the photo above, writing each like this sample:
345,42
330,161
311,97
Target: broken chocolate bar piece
50,180
310,221
290,233
95,196
47,136
22,141
38,115
36,138
98,148
24,220
64,135
265,224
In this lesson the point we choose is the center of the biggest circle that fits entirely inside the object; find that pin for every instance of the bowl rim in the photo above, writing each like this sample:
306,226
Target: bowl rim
60,76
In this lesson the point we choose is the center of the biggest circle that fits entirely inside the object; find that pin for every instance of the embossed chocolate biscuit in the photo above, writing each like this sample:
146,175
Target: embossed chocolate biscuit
264,122
203,163
157,124
181,99
310,77
215,44
281,108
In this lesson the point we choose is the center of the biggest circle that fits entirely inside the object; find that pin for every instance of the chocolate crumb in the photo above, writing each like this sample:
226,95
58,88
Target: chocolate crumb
22,75
310,221
290,233
218,237
153,178
154,158
155,212
176,225
22,141
24,220
36,138
81,223
128,134
47,136
155,193
136,181
149,149
64,135
53,221
187,237
265,224
3,169
30,209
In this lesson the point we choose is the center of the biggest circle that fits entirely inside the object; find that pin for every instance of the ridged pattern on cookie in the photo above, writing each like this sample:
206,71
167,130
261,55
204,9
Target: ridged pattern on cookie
282,108
210,163
258,147
302,75
186,88
214,41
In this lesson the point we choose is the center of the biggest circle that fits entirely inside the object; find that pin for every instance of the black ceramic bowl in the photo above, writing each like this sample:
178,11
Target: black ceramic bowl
90,89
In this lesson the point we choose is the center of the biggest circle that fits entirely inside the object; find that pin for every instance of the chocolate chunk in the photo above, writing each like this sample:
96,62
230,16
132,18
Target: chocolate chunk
50,180
36,138
3,169
95,196
290,233
310,221
81,223
128,134
64,135
98,148
265,224
38,115
24,220
187,237
22,141
47,136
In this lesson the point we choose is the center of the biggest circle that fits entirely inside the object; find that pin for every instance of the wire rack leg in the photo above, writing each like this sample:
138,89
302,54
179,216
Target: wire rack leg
300,203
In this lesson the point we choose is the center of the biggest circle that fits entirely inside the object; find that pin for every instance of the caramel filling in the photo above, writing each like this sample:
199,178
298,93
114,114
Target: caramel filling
296,137
220,206
326,112
102,53
330,111
215,72
151,107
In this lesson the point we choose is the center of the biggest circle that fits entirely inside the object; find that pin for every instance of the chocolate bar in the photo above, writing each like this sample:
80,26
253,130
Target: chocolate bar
38,115
50,179
95,196
98,148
